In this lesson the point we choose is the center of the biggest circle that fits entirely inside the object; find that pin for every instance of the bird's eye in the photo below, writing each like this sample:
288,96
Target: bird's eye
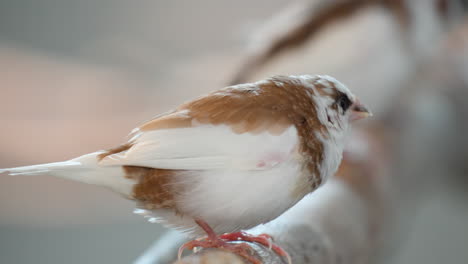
344,102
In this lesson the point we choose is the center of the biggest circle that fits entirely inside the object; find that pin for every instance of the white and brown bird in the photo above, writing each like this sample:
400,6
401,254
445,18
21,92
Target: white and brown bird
227,161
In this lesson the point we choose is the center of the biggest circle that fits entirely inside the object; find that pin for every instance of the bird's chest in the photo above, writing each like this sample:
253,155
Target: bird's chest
232,199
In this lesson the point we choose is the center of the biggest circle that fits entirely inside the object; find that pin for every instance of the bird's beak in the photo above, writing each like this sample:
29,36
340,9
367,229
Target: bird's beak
359,111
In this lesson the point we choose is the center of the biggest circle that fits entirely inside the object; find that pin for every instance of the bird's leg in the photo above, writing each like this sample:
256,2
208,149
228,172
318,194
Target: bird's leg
207,228
242,249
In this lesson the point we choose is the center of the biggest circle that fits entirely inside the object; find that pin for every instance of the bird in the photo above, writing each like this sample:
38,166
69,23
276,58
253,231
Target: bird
226,161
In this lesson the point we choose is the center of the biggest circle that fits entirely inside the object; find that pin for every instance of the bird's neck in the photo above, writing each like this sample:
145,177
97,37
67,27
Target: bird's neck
333,153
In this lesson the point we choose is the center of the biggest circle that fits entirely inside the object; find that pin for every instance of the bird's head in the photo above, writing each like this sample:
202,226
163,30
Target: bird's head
336,105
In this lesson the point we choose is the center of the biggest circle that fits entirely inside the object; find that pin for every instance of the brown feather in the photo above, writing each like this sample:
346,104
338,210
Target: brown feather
118,149
154,188
173,120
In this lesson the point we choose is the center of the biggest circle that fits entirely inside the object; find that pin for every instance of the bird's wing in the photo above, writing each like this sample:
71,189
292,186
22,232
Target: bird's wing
223,130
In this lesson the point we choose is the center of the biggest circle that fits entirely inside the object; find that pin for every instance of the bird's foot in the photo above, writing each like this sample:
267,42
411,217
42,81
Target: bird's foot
262,239
241,249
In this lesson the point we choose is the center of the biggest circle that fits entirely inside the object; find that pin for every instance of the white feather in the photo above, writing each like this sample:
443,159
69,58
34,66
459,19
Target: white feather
207,147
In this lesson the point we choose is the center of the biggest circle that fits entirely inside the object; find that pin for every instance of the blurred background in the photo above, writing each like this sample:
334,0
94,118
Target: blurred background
77,76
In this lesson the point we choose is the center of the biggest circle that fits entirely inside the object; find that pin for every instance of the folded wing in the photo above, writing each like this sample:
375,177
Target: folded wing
228,129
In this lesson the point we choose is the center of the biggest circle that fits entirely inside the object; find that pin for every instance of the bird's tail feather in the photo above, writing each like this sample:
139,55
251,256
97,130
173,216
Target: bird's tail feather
42,168
84,169
88,161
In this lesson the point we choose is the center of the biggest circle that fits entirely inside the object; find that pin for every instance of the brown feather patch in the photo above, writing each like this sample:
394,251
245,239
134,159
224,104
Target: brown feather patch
154,188
118,149
173,120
